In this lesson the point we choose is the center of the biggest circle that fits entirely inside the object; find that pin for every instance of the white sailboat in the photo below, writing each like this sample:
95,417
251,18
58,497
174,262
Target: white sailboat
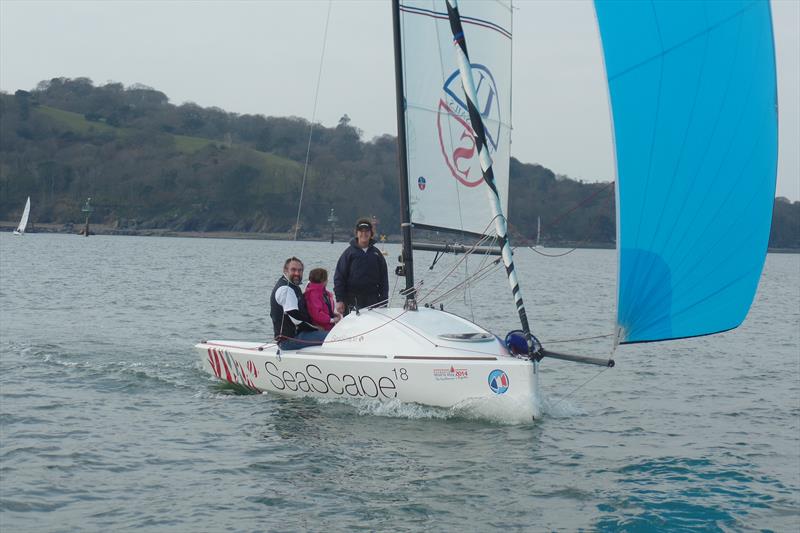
23,221
538,245
691,168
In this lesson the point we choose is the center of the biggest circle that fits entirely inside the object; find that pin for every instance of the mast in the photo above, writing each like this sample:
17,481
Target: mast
405,212
501,227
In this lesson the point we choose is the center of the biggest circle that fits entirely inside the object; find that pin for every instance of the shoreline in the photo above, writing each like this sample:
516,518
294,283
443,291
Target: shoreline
105,229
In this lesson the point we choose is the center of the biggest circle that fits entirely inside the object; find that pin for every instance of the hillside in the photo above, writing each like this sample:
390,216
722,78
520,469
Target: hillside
147,163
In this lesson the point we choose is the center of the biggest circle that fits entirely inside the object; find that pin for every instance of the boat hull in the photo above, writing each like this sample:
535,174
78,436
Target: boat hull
400,368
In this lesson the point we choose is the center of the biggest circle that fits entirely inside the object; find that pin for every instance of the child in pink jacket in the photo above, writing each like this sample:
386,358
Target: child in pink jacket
320,302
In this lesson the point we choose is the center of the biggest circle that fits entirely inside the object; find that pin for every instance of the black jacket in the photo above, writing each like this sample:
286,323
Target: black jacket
281,323
361,276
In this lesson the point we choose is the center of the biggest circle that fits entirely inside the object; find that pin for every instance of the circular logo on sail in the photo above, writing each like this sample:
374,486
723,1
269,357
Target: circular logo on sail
421,183
498,381
456,136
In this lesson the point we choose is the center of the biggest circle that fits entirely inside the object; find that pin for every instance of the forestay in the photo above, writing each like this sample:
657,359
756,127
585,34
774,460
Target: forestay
693,94
445,179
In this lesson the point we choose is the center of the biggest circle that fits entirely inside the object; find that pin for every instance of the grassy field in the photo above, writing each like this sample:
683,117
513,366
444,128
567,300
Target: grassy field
279,168
75,121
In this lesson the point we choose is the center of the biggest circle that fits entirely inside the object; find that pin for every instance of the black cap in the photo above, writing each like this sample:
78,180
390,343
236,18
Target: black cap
363,223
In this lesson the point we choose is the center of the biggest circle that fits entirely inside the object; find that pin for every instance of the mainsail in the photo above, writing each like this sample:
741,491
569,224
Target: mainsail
694,102
445,180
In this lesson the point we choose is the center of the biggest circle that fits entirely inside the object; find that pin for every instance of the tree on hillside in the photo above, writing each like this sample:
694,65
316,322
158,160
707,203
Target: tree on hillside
150,163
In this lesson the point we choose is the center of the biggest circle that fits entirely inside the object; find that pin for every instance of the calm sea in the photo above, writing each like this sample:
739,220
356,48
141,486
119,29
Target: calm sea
107,422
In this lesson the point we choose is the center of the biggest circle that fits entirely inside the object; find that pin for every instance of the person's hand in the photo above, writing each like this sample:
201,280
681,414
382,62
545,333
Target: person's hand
336,318
340,308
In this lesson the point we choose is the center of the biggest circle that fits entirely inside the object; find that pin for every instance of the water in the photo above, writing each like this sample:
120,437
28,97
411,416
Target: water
108,423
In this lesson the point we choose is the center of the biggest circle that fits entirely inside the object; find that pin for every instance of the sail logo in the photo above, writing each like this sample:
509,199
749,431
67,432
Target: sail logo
456,135
498,381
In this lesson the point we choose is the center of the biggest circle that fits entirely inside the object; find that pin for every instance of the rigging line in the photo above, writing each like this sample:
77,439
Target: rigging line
558,219
458,263
355,336
375,306
469,281
394,288
561,341
579,387
313,118
267,345
402,324
452,269
479,275
484,272
551,255
583,202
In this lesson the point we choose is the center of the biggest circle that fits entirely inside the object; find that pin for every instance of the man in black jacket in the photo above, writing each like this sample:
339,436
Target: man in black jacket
290,319
361,278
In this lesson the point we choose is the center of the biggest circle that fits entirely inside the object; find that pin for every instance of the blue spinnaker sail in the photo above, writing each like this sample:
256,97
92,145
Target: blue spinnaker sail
694,106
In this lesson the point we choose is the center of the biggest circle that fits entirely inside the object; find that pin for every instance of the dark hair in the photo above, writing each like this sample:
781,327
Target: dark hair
361,222
293,258
318,275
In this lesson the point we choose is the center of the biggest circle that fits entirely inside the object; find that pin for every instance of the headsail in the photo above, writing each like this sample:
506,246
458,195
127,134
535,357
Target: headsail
694,102
445,180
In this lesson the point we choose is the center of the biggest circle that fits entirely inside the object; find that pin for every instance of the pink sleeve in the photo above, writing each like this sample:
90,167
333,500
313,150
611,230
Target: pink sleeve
316,310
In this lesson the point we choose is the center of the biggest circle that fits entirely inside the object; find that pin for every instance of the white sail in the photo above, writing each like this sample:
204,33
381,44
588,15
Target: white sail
446,188
23,222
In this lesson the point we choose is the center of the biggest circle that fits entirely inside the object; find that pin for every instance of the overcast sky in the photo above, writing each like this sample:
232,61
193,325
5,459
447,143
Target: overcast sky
263,57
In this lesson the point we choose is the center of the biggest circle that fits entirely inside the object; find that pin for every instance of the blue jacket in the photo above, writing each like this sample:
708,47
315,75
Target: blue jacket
362,275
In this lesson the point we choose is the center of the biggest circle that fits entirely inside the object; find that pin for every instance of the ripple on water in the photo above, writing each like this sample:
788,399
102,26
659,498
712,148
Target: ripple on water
108,423
677,493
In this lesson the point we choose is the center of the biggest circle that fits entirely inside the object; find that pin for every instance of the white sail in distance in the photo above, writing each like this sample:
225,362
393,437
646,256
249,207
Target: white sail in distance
23,222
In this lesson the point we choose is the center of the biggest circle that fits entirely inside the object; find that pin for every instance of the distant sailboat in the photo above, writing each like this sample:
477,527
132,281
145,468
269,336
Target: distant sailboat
538,244
23,222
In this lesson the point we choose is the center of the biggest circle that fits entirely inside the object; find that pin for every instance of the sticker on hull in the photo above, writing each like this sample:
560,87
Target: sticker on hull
447,374
498,381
